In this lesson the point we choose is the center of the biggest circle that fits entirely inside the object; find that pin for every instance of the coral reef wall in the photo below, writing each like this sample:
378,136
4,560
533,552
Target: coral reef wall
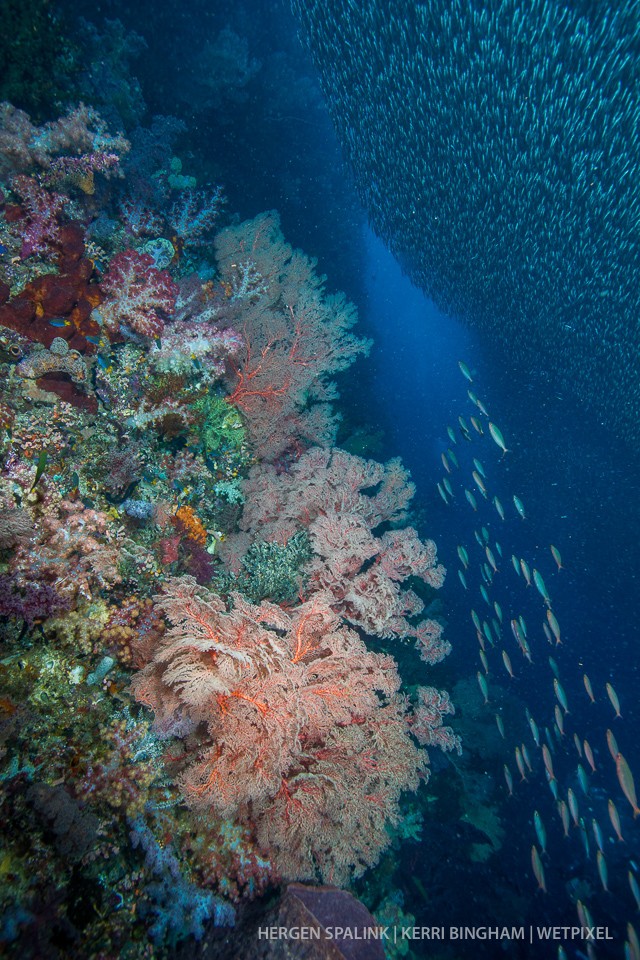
203,600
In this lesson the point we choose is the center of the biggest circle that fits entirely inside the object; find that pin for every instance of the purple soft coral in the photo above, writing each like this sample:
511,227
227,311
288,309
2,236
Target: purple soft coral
42,208
28,601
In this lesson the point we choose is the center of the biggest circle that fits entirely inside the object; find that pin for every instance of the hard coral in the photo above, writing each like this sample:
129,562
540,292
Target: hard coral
57,359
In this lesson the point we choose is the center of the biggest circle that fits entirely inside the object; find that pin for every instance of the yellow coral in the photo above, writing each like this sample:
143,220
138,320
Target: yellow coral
191,525
78,630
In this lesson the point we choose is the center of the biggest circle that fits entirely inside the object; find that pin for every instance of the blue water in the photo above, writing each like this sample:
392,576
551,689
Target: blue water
580,491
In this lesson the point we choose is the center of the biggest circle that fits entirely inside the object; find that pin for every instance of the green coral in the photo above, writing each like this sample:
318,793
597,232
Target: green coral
177,180
229,490
221,426
271,571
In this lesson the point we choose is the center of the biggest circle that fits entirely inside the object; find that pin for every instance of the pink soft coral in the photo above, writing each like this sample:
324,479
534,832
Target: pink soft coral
139,296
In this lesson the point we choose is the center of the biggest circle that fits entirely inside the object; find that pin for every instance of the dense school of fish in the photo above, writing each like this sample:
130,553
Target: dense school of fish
496,148
577,803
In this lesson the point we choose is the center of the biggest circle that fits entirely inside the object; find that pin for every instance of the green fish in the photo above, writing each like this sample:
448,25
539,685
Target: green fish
541,588
40,469
471,499
561,695
464,370
519,507
497,437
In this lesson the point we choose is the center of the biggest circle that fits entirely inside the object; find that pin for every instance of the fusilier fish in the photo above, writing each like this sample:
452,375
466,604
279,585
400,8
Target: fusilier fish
597,834
509,779
464,369
626,781
498,439
479,482
541,587
526,572
482,683
588,688
588,752
563,810
471,500
546,756
507,663
560,695
555,626
602,870
541,833
538,869
573,806
615,703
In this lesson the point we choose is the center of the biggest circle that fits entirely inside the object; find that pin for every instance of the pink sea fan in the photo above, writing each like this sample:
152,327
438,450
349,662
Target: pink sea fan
426,720
301,728
139,296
